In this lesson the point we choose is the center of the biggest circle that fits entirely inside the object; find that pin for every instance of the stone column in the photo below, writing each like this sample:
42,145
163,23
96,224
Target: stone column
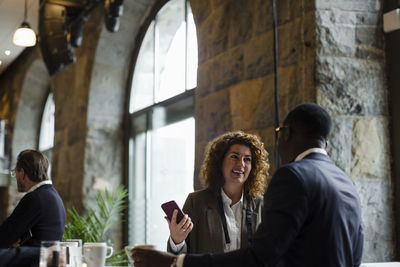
351,84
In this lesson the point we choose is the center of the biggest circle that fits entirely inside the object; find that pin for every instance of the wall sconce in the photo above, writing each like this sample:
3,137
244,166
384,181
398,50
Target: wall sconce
24,36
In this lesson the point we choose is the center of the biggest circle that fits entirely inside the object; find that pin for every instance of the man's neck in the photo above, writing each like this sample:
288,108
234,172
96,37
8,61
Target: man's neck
29,185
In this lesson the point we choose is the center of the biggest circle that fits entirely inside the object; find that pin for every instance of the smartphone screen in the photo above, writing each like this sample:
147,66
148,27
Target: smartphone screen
169,208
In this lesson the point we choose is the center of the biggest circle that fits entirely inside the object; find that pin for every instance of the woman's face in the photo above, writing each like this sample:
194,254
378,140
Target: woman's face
236,166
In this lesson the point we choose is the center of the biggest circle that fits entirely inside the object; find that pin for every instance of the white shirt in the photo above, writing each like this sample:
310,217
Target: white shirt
233,217
309,151
36,186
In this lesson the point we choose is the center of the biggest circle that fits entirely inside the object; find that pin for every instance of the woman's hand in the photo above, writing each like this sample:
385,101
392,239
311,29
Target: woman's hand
179,231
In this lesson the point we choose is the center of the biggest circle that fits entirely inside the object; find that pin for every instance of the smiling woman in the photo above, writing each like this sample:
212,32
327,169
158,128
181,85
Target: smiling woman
234,172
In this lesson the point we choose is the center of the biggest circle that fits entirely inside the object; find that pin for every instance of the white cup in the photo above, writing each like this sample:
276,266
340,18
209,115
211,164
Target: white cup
95,254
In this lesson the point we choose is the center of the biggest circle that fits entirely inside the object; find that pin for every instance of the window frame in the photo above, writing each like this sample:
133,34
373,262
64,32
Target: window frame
187,95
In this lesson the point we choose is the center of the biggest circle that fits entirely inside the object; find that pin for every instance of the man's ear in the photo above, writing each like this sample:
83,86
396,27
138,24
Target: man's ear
23,173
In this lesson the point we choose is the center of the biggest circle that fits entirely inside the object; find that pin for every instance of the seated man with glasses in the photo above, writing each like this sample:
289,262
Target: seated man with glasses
40,214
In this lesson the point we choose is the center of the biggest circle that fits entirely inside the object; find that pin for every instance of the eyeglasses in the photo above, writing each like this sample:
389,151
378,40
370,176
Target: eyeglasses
12,173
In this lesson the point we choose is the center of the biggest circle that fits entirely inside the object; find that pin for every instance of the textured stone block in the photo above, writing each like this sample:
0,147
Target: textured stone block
369,36
203,41
366,18
369,41
329,17
205,83
259,56
213,114
107,93
264,117
370,148
352,86
218,31
228,68
263,16
240,22
350,5
378,219
201,10
339,143
336,40
217,3
290,38
244,98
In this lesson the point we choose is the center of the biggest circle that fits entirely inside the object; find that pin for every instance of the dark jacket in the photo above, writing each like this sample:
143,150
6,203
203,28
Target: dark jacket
207,235
20,257
314,219
41,212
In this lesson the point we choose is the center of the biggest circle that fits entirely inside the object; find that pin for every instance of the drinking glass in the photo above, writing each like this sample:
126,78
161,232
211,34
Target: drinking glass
51,254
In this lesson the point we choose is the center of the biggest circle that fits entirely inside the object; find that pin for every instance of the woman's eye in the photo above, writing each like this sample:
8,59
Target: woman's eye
247,159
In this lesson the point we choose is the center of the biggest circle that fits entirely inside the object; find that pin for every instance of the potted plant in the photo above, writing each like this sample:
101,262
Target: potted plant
95,226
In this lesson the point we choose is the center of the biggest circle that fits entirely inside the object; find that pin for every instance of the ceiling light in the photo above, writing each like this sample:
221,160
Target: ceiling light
24,35
7,52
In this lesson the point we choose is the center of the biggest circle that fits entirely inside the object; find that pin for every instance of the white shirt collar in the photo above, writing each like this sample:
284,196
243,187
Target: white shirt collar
227,200
309,151
36,186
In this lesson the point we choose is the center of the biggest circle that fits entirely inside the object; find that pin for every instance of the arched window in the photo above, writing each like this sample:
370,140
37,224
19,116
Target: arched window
161,146
46,135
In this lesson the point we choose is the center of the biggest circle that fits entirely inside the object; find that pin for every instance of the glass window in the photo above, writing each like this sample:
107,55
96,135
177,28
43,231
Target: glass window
161,145
46,136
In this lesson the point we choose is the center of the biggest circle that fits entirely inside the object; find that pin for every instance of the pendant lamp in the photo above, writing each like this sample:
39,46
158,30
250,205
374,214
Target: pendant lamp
24,36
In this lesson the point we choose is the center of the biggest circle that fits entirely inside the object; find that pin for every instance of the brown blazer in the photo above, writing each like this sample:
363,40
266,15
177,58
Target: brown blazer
207,235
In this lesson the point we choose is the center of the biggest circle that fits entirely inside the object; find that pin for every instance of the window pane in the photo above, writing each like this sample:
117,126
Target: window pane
137,189
172,167
192,54
46,137
143,78
170,50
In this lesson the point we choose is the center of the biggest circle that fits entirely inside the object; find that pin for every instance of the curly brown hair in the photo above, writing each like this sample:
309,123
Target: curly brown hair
211,170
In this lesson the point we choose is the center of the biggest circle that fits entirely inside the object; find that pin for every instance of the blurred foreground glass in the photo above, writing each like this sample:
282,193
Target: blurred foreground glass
73,252
51,254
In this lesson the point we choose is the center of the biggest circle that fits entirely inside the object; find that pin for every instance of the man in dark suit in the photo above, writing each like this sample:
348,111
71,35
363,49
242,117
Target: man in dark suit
312,210
40,215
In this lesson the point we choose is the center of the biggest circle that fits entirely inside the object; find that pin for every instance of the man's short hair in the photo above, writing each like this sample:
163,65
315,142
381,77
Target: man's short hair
310,119
35,165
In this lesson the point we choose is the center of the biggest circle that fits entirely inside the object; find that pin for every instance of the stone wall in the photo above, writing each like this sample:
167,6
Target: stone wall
351,84
236,74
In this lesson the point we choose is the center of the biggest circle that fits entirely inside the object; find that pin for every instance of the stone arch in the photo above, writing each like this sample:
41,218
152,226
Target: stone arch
34,91
108,94
32,97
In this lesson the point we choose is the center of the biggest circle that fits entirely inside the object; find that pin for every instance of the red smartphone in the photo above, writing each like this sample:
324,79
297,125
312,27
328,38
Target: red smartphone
169,208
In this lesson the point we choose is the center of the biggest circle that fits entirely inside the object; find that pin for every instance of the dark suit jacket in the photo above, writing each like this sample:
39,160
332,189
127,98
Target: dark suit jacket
40,211
312,218
207,235
20,257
